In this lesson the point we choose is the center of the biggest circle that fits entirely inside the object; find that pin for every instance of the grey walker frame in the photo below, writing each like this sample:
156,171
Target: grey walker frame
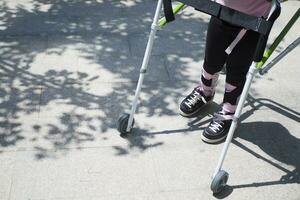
216,187
143,70
220,177
126,121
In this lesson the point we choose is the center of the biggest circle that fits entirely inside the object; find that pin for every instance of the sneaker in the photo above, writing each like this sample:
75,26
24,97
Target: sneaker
218,128
193,103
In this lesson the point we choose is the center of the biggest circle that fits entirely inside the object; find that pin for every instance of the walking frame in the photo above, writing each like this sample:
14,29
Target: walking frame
126,121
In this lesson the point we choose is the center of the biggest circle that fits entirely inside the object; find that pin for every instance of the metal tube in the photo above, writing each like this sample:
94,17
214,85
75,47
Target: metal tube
280,56
143,69
252,71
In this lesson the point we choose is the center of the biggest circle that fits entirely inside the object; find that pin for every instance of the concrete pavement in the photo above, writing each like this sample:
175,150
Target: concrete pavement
70,68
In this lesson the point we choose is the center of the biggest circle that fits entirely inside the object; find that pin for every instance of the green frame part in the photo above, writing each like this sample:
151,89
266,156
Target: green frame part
279,38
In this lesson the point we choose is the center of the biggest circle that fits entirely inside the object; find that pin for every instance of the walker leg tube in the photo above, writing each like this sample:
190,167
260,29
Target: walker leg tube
252,71
280,56
154,28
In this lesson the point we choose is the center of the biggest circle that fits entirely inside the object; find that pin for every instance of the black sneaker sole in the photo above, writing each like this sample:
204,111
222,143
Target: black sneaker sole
196,111
212,141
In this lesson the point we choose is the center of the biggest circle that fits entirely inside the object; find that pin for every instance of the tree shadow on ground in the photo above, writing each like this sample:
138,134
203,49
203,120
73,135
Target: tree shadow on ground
69,68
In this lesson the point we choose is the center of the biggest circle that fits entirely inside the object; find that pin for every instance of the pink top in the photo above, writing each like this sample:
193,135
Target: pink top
257,8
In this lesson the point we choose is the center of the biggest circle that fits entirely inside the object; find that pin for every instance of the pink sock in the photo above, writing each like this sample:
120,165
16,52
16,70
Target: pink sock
208,90
228,108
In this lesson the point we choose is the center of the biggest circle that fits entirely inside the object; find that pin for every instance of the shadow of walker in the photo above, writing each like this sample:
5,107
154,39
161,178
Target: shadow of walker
286,150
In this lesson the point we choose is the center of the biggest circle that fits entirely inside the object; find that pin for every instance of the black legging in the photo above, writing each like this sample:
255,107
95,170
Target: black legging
220,34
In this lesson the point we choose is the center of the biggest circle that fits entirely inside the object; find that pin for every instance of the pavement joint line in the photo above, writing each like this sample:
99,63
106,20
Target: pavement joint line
129,46
40,101
26,149
10,188
55,34
165,63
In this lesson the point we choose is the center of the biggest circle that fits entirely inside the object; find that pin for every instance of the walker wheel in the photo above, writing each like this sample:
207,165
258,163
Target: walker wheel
122,124
219,182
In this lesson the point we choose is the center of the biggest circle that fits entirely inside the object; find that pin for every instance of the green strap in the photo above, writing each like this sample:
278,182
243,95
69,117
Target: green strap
177,8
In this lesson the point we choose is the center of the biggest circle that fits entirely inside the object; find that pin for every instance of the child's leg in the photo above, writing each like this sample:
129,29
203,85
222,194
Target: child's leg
219,36
237,66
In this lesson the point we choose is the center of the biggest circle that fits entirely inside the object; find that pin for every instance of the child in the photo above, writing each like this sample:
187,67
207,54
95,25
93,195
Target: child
220,36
